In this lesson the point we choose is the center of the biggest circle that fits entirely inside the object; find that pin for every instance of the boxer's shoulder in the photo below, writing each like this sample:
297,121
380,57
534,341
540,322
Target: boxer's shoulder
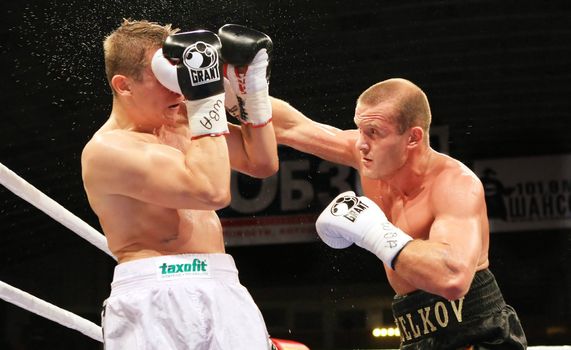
107,147
446,170
455,186
120,137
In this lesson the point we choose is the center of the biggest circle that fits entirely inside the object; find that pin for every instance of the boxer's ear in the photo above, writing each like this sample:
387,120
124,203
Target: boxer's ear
416,136
120,85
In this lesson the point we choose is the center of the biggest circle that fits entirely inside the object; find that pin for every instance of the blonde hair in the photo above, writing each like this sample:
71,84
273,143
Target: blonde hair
409,103
126,48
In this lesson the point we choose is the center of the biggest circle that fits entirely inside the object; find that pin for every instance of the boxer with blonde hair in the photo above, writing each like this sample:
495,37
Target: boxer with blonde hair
156,172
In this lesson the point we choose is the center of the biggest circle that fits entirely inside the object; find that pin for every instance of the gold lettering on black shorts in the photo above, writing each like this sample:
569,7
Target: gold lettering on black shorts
430,319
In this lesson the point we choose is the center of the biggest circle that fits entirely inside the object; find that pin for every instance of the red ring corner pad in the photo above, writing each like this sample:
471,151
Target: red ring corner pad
282,344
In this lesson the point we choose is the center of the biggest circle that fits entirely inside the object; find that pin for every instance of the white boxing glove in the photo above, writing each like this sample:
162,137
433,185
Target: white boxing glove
249,84
350,219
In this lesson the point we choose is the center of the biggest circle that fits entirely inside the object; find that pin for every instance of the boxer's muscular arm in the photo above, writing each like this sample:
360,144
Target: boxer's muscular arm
297,131
252,146
252,150
445,264
114,164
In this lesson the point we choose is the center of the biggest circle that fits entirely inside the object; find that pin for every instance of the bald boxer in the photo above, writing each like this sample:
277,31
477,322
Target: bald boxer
155,173
423,215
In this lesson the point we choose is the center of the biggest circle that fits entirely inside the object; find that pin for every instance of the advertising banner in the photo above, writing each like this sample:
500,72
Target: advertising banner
531,193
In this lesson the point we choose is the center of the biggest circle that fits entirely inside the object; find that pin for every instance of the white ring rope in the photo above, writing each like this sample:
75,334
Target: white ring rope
51,312
13,295
32,195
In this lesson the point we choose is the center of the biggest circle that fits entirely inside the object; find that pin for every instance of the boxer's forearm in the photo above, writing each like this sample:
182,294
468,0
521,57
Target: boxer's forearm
295,130
435,268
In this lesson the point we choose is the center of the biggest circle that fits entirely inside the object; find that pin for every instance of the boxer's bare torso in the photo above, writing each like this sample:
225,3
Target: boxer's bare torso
154,190
137,229
413,213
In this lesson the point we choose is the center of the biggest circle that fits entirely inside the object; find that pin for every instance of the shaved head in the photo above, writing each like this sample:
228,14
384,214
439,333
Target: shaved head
408,101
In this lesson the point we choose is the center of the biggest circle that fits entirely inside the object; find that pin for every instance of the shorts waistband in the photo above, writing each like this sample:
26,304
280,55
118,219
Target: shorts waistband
171,269
421,314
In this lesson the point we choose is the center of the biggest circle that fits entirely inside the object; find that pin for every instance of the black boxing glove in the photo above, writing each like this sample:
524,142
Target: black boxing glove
189,64
246,54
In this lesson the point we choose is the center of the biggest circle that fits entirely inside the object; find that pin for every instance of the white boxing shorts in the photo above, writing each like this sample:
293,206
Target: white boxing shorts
176,302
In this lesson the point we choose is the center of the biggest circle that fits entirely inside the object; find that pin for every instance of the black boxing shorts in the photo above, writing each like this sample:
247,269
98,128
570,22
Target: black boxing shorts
479,320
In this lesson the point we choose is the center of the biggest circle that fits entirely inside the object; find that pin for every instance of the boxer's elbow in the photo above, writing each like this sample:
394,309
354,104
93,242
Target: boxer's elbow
266,168
458,281
213,197
222,197
455,290
262,169
219,201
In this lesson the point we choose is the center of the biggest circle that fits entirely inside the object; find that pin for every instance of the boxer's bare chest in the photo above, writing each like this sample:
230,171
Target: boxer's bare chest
412,214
